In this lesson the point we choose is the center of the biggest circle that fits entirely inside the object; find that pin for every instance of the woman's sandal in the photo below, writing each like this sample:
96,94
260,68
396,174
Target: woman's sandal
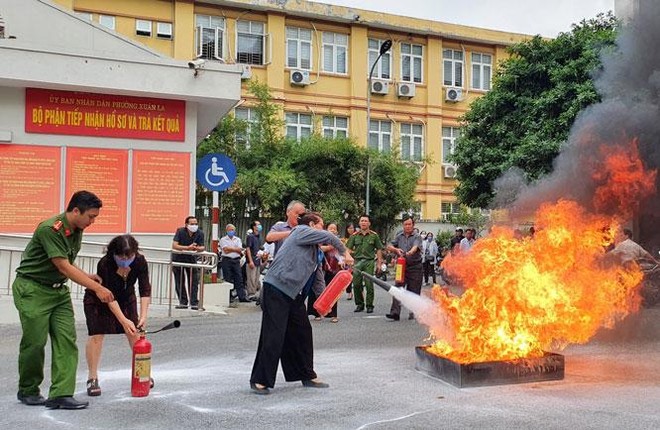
334,320
93,388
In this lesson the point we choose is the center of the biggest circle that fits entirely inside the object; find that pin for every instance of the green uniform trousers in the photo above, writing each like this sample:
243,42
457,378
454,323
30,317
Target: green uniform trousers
45,310
366,266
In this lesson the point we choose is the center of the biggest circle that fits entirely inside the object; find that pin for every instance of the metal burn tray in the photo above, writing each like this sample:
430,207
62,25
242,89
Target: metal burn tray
550,367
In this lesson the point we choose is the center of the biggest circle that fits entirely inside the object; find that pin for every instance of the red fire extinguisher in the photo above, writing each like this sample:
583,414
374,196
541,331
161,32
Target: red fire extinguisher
332,292
400,274
141,380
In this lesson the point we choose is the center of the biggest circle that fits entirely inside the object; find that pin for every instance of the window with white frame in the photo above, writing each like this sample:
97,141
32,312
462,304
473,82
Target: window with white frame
452,66
108,21
411,62
335,52
299,48
449,136
84,15
143,27
250,42
251,117
380,135
447,209
412,141
482,68
298,125
164,30
383,69
335,126
209,37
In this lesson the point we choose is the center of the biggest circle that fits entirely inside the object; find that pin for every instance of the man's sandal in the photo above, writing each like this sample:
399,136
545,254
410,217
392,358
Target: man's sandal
93,388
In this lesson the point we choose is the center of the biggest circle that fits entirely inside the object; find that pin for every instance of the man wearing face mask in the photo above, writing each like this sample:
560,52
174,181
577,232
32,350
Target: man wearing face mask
187,238
429,254
253,261
232,250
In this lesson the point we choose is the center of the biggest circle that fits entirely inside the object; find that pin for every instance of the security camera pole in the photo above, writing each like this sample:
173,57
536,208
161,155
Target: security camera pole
384,47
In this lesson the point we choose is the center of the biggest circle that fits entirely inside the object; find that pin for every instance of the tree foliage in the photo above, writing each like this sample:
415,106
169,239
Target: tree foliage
537,94
328,175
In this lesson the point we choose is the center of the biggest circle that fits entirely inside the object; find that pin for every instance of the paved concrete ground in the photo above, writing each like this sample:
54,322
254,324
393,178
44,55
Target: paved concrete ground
202,371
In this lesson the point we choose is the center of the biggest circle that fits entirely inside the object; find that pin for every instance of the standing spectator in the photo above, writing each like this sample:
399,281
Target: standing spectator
187,238
430,253
286,333
281,230
253,260
120,269
454,244
44,305
407,244
365,246
348,232
468,240
232,250
330,269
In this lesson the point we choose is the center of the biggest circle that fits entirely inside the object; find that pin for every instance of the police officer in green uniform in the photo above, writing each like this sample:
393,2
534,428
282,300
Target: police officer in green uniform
364,246
44,303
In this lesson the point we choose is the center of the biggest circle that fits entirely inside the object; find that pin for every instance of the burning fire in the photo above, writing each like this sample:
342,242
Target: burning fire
524,296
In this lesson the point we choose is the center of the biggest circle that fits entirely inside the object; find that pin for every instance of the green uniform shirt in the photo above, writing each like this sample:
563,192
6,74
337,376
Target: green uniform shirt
364,246
52,238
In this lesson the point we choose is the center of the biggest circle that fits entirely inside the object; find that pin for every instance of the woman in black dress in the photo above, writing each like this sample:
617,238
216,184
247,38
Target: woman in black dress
120,268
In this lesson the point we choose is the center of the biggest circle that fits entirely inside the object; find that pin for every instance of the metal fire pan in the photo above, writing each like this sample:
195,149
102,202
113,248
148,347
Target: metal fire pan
550,367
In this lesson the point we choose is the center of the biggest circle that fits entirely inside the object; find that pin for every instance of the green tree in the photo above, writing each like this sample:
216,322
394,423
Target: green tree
329,175
537,93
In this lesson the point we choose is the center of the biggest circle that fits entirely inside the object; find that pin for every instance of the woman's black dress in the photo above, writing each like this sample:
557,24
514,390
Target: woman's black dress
100,319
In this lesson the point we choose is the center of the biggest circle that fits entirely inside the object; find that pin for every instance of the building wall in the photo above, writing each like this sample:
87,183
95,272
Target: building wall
331,94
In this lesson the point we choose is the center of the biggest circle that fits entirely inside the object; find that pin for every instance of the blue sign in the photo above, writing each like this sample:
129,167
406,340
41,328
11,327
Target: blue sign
216,172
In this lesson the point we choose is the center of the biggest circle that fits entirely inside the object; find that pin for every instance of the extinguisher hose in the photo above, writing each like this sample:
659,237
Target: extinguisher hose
384,285
173,324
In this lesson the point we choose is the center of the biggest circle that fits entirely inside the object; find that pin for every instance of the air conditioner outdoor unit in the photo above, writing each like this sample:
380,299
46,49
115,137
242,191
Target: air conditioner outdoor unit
450,171
405,89
453,94
380,87
299,77
247,72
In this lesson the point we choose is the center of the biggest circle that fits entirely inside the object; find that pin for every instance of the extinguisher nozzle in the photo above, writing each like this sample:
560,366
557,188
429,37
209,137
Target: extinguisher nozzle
384,285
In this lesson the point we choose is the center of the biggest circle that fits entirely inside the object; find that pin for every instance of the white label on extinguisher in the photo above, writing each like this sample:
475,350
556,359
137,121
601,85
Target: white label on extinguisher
142,367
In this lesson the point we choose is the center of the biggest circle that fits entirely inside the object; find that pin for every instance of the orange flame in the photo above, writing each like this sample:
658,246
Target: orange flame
525,296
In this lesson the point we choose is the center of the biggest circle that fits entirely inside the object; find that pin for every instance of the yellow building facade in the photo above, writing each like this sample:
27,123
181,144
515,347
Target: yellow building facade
316,59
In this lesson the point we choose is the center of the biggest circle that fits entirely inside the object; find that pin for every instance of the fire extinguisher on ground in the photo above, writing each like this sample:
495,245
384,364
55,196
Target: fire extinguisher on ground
400,273
141,379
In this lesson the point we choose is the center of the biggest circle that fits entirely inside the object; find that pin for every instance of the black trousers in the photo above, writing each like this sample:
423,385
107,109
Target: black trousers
231,272
286,336
429,270
192,274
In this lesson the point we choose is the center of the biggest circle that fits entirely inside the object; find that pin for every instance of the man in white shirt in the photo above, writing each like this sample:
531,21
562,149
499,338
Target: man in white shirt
232,250
468,240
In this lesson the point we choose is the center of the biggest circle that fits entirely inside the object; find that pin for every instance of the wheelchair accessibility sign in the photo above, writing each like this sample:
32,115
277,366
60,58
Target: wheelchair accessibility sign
216,172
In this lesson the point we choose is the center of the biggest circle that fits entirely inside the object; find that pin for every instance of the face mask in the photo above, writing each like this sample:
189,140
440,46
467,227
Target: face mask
193,228
124,263
231,233
430,239
259,228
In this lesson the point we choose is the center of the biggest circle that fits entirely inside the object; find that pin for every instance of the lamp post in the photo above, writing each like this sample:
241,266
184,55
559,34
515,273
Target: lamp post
384,47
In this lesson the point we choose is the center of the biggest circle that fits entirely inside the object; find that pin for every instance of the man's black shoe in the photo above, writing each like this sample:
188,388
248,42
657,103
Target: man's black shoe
359,308
370,309
67,402
393,317
181,307
34,400
194,307
244,300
